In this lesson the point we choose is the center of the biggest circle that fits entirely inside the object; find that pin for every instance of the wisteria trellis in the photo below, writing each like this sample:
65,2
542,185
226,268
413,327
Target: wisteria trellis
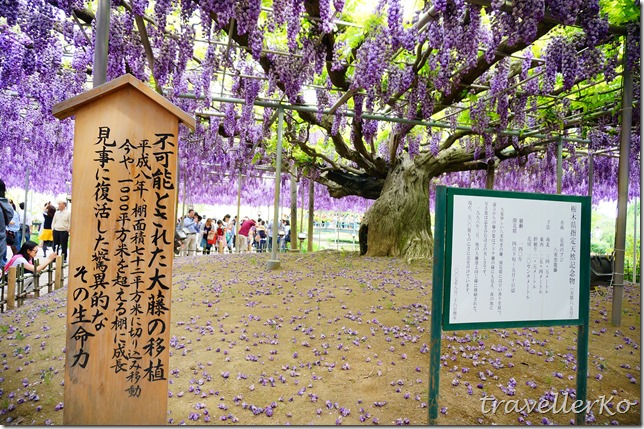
548,66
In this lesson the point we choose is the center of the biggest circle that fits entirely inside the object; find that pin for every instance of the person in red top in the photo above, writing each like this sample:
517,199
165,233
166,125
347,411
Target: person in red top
246,225
221,236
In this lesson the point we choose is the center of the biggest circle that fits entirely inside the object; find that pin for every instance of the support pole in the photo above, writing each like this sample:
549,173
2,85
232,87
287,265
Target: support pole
301,224
176,201
23,227
622,194
11,287
58,277
293,231
582,368
274,263
37,280
50,278
101,43
489,176
337,231
238,223
584,310
635,241
185,180
437,304
309,246
591,173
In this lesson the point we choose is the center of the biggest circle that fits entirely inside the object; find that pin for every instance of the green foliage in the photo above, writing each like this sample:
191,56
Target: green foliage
256,158
551,119
316,247
620,11
603,238
600,248
354,36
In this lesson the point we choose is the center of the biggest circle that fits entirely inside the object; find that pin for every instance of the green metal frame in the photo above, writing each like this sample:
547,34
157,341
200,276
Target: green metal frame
442,282
437,304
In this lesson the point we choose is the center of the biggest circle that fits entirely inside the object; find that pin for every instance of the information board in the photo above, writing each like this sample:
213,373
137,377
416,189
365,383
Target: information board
509,260
514,258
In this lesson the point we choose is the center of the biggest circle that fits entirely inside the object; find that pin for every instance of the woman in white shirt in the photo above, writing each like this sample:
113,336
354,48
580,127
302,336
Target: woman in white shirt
25,257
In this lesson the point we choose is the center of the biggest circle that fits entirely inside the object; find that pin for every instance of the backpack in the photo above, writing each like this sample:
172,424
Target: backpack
262,233
11,261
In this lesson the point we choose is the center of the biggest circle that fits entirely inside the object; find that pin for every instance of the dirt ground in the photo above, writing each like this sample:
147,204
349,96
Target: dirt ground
333,338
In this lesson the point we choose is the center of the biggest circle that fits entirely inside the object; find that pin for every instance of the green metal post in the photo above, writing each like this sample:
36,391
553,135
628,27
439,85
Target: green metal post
238,223
309,245
622,194
591,174
293,231
437,303
584,299
582,370
101,43
634,272
23,227
274,263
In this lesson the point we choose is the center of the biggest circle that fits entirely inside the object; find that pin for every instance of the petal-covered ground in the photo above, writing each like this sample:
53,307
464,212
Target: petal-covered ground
332,338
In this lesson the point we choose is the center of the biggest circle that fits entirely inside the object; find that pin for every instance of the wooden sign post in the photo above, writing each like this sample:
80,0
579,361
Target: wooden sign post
120,264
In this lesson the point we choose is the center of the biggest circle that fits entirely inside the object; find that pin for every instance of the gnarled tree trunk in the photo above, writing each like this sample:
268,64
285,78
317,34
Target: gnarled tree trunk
398,222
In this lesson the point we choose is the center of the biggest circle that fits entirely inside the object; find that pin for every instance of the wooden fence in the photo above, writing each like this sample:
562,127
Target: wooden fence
13,292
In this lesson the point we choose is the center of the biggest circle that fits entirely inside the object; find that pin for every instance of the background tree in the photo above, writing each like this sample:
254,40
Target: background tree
490,89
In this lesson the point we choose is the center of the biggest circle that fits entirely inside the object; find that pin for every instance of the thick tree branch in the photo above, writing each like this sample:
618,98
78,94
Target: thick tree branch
310,151
342,148
342,184
338,77
358,141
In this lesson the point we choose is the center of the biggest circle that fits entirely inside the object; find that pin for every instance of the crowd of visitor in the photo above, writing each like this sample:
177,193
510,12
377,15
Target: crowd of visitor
16,228
208,234
201,234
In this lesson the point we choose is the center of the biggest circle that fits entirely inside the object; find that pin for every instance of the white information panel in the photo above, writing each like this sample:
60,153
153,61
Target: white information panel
514,259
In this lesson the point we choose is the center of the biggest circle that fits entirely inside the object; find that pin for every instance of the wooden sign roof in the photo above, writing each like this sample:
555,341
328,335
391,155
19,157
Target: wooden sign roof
70,106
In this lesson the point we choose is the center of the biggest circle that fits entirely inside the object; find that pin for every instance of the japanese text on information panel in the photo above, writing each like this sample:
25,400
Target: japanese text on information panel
130,304
514,259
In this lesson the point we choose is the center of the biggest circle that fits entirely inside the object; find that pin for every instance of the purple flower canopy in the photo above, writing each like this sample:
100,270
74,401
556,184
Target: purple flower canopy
422,66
